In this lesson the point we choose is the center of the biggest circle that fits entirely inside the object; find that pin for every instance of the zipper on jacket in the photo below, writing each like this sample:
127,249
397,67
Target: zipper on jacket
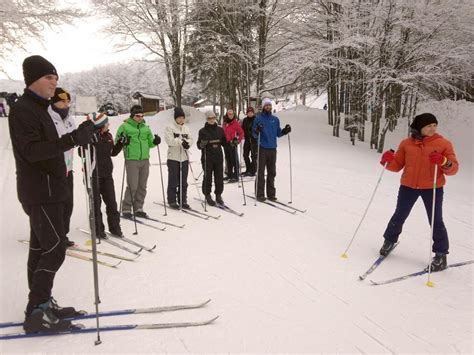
140,142
49,185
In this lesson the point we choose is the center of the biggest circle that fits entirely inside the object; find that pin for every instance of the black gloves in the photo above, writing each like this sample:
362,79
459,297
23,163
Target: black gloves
156,140
123,140
84,134
286,130
185,144
234,142
259,128
203,144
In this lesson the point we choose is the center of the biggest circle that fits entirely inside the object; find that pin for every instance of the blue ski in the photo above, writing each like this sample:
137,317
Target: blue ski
122,312
110,328
418,273
376,264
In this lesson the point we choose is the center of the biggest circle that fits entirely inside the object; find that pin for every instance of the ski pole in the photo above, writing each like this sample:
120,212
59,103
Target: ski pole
92,225
344,255
180,177
204,182
291,171
429,283
123,182
258,170
239,175
131,197
161,174
195,180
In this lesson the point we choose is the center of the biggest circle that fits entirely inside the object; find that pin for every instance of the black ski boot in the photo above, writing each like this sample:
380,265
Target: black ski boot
42,319
185,206
272,198
219,199
174,205
69,243
141,214
116,232
127,215
387,247
439,262
210,201
63,312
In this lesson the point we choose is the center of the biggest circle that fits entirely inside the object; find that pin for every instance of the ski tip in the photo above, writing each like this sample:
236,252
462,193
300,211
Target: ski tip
151,249
344,256
430,284
212,320
361,278
116,265
373,283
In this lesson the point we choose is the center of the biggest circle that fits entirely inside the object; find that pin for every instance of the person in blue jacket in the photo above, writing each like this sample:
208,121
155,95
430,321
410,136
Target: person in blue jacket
267,126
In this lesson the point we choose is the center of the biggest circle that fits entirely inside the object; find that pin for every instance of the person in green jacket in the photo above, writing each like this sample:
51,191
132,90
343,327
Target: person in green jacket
137,164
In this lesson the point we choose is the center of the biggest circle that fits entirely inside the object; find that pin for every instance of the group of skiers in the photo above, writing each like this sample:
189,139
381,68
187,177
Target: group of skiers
44,137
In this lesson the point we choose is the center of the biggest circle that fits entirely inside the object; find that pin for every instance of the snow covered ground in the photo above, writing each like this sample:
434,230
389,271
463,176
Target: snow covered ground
276,280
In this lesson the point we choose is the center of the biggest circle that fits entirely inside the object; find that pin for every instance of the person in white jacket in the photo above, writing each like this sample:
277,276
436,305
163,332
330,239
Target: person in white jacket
64,122
178,137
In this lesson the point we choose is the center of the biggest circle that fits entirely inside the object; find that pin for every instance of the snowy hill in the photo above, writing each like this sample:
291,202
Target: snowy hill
276,280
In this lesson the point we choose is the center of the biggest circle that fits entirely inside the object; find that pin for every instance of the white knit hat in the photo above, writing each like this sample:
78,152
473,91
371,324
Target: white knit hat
266,101
210,114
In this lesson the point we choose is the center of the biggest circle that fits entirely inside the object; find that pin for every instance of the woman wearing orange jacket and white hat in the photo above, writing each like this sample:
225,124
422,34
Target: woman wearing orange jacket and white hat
417,156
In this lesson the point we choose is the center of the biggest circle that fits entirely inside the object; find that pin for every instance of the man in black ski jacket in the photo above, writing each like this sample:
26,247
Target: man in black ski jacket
211,138
250,144
42,190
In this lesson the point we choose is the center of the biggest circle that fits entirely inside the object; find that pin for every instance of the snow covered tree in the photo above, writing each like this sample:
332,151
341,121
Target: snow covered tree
24,20
160,27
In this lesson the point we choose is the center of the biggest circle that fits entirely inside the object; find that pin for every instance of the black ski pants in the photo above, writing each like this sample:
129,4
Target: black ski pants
69,203
230,153
250,156
405,201
173,192
104,189
47,250
266,159
212,166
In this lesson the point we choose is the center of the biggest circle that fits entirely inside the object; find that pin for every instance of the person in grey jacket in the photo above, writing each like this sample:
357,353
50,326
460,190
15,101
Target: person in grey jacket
64,122
179,140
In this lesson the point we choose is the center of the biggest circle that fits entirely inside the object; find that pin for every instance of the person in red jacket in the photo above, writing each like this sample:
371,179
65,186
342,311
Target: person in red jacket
234,135
418,156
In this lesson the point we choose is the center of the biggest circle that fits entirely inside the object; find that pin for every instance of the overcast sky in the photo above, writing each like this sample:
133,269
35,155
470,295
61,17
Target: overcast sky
70,48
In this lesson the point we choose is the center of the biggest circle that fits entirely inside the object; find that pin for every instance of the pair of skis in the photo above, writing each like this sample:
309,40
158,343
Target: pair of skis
224,207
381,258
80,329
286,207
193,212
123,239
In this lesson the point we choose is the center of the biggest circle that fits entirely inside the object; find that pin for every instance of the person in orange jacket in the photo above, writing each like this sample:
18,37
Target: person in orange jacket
417,156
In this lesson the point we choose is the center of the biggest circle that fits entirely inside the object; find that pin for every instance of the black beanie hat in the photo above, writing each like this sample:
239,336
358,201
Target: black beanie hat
178,112
35,67
423,120
135,109
60,94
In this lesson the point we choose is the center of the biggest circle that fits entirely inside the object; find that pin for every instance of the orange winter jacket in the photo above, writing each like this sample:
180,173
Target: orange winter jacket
413,155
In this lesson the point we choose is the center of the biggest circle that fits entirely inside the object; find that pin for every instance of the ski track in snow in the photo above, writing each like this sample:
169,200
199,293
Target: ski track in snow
276,280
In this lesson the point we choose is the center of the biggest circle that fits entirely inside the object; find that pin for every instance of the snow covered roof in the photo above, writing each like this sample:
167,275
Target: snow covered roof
138,94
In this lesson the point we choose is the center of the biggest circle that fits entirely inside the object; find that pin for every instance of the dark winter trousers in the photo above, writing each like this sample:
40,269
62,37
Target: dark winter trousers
266,159
250,156
69,203
173,180
210,166
406,199
47,250
231,160
104,186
